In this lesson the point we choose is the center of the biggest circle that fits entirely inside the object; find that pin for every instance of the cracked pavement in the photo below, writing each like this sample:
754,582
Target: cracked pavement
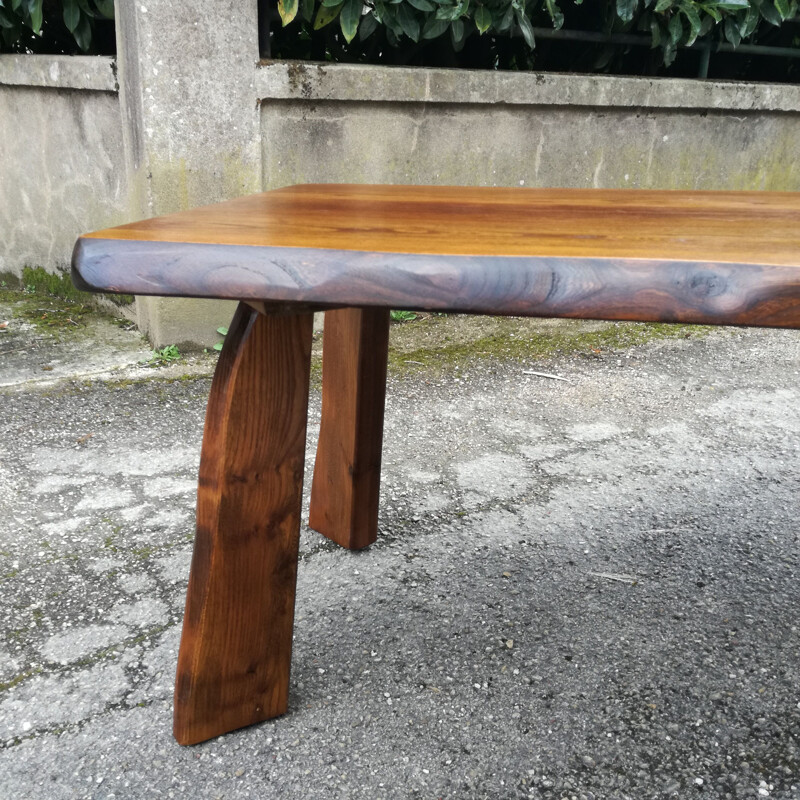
581,589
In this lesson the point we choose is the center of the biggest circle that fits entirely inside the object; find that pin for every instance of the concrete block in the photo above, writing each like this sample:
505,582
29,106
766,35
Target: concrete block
87,73
189,323
333,124
62,172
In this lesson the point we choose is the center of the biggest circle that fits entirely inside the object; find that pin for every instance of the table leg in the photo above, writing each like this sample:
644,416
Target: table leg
347,471
236,645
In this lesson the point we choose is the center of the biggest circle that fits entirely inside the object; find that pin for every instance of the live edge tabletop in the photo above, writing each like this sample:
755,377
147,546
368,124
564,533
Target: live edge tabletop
706,257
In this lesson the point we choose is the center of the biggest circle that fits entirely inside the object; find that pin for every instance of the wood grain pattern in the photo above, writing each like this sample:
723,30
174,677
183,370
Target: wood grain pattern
744,227
706,257
347,470
660,291
235,653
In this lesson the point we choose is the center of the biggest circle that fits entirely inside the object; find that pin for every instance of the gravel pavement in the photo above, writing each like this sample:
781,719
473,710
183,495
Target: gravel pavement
581,589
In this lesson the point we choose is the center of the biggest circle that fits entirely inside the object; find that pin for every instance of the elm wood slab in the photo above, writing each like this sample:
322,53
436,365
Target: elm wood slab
730,258
703,257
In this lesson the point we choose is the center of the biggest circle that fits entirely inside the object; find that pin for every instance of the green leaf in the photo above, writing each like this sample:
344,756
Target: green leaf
675,29
663,5
72,15
222,331
307,9
733,5
367,27
35,10
408,22
350,17
422,5
483,19
326,15
526,28
732,32
506,20
448,12
655,33
83,34
670,51
693,18
434,27
626,9
457,34
770,14
106,8
287,10
782,7
218,346
750,23
555,13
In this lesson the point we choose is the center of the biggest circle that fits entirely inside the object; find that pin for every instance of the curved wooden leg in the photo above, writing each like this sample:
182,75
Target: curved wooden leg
236,645
347,470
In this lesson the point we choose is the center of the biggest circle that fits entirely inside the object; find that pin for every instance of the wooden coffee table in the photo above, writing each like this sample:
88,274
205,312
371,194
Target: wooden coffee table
728,258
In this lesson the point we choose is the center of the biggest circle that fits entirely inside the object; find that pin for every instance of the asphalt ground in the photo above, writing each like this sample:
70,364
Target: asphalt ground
582,588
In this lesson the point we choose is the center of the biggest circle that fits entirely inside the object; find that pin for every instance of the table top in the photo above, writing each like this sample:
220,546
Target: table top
614,254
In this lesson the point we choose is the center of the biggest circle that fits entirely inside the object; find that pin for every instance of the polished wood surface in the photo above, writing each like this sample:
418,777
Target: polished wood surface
236,645
711,257
347,470
739,227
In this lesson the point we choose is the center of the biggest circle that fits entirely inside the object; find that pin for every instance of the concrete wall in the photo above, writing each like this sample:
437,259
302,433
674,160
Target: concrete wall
366,124
187,115
62,167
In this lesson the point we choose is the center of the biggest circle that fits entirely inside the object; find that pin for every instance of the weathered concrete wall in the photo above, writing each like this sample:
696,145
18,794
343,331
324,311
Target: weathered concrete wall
187,116
62,167
192,132
369,124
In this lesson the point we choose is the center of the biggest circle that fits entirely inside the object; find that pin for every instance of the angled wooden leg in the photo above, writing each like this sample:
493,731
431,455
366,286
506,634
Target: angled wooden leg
236,646
347,470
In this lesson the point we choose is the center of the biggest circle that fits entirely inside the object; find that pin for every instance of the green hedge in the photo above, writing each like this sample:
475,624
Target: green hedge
57,26
485,26
462,33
